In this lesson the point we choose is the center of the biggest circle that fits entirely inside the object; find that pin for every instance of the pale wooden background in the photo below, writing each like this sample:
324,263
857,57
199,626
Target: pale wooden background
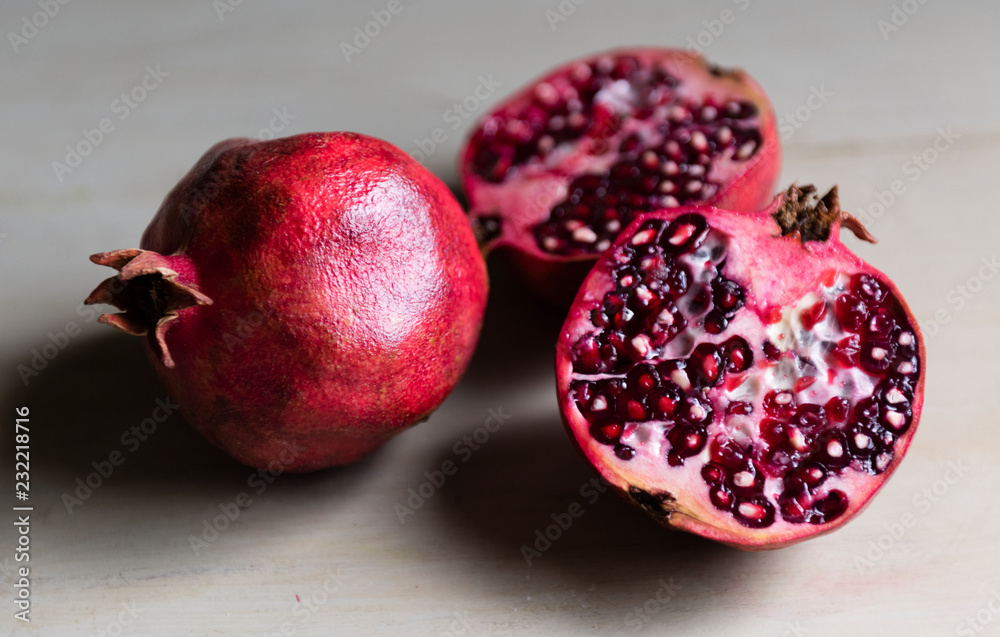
455,565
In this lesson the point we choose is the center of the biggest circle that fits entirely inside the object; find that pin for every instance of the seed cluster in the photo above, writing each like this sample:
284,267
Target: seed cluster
624,381
665,162
665,168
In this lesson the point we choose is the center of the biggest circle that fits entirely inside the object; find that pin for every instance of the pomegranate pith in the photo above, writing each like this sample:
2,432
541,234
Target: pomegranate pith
764,401
560,168
304,299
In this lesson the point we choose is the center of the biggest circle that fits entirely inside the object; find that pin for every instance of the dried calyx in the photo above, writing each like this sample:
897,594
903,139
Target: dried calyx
149,293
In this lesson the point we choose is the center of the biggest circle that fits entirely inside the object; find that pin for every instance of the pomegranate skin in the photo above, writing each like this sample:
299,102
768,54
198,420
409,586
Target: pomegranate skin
637,453
345,296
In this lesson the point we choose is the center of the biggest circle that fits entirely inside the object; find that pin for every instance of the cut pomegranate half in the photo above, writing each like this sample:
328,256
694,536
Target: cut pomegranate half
556,171
743,376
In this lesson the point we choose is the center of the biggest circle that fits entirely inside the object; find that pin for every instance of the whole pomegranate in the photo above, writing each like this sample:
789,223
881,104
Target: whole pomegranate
559,169
743,376
303,299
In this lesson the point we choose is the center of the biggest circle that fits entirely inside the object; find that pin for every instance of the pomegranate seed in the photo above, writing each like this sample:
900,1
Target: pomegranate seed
716,322
713,474
680,377
739,407
771,352
722,498
868,288
851,312
624,452
666,405
813,315
756,512
772,431
739,355
834,449
682,234
607,433
895,419
804,383
847,351
831,508
837,409
643,237
635,410
797,439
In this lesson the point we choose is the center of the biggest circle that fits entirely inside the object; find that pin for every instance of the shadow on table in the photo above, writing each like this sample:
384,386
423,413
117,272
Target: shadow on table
515,493
86,401
92,423
531,504
98,449
519,332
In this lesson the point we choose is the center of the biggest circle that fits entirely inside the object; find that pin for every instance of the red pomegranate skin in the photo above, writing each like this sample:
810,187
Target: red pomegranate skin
347,293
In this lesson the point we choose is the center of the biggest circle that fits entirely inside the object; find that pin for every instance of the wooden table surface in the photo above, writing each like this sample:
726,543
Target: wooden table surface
905,90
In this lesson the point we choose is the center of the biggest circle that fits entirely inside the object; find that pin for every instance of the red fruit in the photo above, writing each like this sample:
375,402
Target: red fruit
803,438
560,168
304,299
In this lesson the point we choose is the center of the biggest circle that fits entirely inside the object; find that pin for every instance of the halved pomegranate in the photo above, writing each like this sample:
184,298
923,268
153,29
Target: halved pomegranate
743,376
556,171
